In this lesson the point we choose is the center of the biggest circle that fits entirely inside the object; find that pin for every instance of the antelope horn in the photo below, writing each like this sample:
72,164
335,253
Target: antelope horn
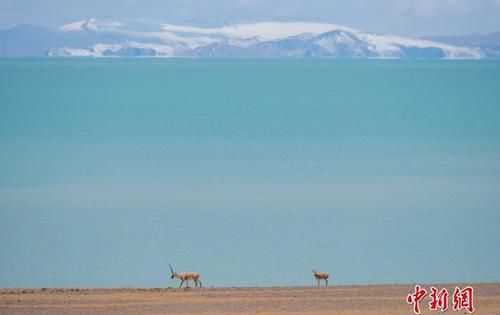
171,270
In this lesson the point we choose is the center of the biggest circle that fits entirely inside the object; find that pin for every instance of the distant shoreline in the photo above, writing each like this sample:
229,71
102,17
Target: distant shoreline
170,287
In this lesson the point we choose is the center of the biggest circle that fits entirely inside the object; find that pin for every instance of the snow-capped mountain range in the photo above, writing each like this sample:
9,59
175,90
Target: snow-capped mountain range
102,38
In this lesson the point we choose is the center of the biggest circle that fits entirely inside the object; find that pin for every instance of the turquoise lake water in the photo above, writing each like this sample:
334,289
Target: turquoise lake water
251,172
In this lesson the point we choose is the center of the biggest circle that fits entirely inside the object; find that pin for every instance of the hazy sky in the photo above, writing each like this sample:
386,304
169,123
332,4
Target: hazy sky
405,17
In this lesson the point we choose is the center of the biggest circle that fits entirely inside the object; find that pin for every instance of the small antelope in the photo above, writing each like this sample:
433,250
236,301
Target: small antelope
321,276
186,276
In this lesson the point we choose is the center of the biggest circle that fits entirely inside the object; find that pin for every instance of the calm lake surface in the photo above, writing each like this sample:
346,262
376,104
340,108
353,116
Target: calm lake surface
251,172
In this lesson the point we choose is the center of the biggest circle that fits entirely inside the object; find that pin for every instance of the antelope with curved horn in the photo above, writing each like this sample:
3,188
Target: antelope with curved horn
321,276
186,276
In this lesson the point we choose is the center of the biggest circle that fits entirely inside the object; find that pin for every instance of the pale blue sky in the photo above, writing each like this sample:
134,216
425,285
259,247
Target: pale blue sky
403,17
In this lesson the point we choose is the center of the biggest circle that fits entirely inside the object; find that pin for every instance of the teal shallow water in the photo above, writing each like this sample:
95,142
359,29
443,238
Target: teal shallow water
251,172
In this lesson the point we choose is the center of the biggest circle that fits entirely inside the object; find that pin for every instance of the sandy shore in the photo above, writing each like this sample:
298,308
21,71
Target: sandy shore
386,299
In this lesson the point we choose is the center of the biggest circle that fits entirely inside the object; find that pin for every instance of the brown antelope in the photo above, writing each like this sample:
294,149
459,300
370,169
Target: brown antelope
186,276
321,276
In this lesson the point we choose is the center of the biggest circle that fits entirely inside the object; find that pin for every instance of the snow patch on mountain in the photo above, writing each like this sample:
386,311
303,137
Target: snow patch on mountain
264,31
128,49
390,45
73,27
92,24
